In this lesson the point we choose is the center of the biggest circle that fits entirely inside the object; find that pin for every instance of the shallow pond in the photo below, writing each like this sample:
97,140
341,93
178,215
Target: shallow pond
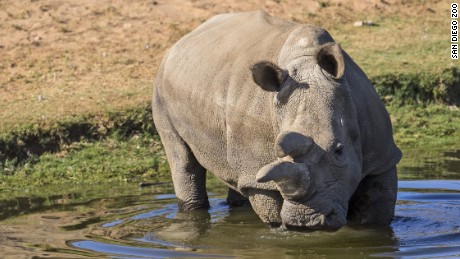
129,222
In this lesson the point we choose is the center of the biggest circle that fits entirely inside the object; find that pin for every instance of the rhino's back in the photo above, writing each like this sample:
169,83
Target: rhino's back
207,92
224,47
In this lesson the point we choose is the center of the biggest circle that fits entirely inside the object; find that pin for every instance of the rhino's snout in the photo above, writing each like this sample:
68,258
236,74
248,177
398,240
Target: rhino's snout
303,206
303,216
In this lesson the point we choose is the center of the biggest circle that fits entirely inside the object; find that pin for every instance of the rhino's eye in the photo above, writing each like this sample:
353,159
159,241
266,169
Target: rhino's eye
339,149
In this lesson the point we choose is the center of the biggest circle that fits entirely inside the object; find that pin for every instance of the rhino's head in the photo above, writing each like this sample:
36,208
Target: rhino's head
318,145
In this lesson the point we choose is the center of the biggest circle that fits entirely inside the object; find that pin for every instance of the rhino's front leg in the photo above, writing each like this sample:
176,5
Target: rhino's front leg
189,179
374,200
188,176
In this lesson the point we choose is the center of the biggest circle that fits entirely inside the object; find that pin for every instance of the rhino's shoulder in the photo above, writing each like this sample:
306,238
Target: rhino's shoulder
379,149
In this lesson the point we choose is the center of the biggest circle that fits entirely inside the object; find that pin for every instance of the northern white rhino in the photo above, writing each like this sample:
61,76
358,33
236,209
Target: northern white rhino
283,116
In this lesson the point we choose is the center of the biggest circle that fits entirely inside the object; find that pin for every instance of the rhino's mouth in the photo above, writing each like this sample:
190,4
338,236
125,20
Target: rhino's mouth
303,216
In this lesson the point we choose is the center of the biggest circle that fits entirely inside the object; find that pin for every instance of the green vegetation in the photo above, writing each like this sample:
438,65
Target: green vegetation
418,88
29,140
418,126
113,159
117,147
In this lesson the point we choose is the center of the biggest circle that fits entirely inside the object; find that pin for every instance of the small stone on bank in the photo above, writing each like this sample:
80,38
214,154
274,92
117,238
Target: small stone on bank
364,23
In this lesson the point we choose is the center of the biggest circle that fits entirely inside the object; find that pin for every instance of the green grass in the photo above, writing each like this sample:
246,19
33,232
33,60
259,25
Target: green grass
114,159
30,140
431,126
420,88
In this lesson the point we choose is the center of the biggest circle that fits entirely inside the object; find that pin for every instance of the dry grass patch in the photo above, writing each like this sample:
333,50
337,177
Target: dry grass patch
64,59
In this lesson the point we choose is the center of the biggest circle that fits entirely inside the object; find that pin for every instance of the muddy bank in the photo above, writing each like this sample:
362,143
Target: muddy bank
34,140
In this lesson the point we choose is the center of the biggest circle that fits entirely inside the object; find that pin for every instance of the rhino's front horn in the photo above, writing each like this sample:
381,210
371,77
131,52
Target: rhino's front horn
293,179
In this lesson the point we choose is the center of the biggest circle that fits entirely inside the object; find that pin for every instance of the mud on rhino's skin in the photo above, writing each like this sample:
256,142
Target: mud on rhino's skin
282,115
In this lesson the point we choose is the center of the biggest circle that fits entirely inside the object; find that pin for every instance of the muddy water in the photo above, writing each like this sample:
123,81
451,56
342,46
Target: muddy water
129,222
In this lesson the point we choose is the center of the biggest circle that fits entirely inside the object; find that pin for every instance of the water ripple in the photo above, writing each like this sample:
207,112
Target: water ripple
426,225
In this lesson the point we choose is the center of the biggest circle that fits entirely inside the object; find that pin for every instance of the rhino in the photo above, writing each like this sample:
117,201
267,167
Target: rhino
283,116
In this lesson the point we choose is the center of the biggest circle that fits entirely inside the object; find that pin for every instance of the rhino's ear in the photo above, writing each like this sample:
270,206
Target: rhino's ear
268,76
330,58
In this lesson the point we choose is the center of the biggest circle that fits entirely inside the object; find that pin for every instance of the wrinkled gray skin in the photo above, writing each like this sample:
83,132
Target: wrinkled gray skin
283,116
